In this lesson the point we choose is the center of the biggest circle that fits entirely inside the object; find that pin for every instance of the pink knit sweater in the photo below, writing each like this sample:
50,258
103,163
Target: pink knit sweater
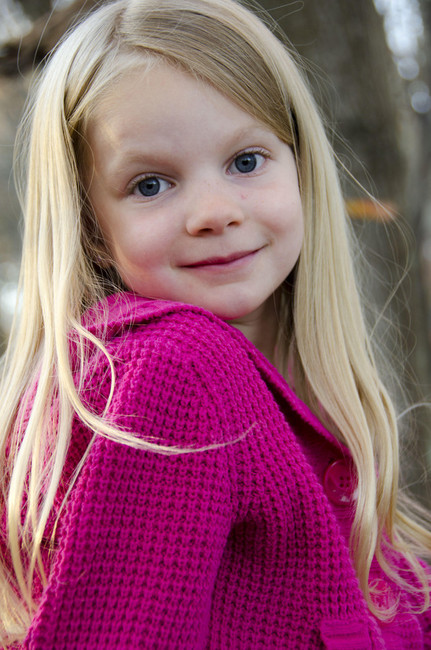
238,547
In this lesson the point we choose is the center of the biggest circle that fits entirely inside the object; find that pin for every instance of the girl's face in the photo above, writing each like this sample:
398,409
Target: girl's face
197,200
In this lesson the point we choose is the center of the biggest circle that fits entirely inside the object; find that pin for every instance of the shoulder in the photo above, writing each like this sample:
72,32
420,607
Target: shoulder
127,317
182,374
173,333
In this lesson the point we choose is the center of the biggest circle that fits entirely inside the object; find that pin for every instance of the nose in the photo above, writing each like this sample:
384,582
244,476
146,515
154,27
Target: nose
211,209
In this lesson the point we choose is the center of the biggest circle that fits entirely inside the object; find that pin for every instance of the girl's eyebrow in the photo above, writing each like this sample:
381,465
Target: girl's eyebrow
123,161
251,131
131,157
162,153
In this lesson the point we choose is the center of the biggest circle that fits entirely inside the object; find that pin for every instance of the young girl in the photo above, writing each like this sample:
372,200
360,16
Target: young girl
197,450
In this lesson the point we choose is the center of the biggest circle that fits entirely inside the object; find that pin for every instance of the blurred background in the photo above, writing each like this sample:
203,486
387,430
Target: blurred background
369,62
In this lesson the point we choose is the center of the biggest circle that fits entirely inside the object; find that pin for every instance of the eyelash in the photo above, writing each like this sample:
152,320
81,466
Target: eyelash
246,152
261,152
140,180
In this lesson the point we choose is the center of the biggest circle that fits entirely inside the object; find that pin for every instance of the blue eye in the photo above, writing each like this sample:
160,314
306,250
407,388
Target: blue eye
151,186
246,162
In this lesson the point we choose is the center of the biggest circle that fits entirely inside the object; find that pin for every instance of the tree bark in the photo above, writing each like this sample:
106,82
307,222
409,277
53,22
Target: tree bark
21,55
36,8
368,105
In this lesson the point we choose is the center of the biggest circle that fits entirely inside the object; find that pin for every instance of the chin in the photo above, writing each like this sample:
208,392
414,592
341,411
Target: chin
236,312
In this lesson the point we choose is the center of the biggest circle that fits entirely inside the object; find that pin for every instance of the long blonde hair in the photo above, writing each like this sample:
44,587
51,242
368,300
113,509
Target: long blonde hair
324,333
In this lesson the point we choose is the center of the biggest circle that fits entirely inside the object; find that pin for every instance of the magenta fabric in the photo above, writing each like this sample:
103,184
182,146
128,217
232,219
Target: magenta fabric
236,547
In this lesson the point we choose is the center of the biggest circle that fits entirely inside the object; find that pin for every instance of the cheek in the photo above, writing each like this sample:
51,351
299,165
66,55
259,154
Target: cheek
280,204
133,249
285,215
144,245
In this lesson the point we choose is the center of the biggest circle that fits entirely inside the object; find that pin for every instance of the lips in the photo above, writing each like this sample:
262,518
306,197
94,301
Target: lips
221,261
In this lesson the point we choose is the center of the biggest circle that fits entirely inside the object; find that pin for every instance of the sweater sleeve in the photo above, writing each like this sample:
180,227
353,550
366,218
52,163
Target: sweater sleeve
143,533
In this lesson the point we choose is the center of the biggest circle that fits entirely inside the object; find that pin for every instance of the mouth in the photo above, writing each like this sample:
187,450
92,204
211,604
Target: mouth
223,261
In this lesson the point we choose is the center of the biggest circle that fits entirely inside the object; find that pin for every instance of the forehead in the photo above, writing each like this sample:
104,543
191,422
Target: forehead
157,103
152,82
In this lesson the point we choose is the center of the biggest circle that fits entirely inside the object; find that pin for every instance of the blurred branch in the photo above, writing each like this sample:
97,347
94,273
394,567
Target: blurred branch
36,8
24,53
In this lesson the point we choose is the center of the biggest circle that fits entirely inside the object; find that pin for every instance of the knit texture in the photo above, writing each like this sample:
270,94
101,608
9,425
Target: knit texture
236,547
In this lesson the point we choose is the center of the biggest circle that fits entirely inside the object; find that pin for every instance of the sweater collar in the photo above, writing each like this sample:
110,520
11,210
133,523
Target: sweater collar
121,311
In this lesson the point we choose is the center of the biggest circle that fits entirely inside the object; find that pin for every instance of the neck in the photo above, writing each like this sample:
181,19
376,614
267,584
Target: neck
261,328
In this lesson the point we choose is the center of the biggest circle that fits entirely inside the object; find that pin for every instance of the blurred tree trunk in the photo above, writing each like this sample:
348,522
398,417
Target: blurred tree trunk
22,54
36,8
344,41
367,104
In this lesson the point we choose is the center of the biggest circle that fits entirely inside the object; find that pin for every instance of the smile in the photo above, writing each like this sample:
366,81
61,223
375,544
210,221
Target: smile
225,262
